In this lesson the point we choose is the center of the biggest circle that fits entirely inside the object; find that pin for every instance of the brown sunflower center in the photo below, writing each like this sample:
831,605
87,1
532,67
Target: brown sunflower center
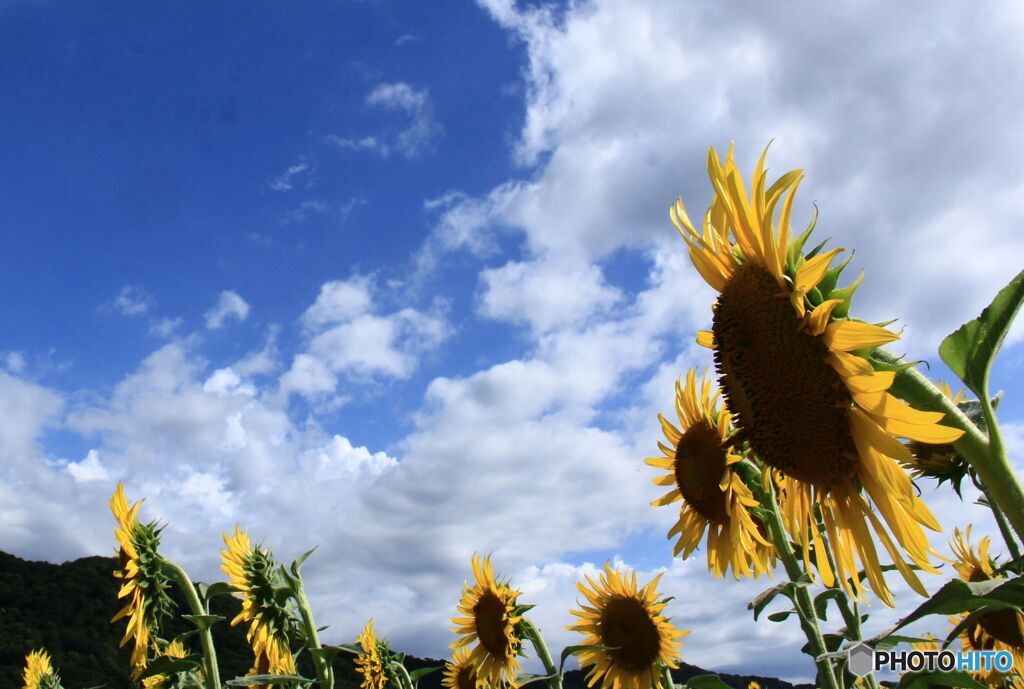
626,624
489,617
466,677
789,401
699,465
1003,625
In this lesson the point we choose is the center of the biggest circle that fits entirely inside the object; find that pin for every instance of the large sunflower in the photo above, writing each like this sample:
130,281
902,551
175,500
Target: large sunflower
460,673
490,616
144,583
252,572
794,374
999,630
629,621
39,672
369,663
715,499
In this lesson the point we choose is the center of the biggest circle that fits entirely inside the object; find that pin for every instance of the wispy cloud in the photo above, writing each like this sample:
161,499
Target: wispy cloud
413,140
286,180
133,301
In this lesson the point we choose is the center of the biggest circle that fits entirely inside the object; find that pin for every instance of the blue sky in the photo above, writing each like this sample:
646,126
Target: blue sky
398,278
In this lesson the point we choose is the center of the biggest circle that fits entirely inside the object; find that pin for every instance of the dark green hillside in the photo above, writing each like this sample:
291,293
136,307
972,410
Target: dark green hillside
66,609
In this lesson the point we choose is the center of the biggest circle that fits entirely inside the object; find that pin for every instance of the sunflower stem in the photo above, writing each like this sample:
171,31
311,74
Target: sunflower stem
324,671
847,608
986,454
533,634
404,675
1004,526
205,637
801,597
666,678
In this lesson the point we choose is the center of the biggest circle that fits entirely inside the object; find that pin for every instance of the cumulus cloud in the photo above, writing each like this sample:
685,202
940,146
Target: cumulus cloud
348,336
229,306
415,139
89,469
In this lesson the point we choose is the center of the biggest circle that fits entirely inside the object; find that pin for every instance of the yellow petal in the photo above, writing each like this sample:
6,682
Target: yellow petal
845,336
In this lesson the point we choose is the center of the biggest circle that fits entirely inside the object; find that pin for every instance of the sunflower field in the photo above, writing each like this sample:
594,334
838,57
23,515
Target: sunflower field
798,457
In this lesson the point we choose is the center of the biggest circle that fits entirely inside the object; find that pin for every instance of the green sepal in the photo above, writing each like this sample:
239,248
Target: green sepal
970,350
831,279
814,252
252,680
797,245
846,294
925,680
706,682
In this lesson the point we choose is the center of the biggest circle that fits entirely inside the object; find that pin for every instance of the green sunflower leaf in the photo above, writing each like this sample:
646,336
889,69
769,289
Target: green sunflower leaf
165,665
252,680
821,602
219,588
301,559
970,350
706,682
527,678
204,622
924,680
570,650
781,615
423,672
355,649
964,596
768,595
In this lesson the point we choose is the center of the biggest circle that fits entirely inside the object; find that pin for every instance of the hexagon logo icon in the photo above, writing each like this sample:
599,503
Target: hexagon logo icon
861,660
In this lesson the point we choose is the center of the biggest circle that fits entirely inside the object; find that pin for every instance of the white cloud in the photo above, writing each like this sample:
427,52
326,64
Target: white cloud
285,181
339,301
165,327
348,337
89,469
133,301
229,306
415,139
14,361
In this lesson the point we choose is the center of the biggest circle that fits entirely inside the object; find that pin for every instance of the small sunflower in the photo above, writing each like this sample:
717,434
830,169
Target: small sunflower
371,662
999,630
175,649
460,673
39,672
941,462
252,572
794,375
714,498
490,617
144,583
628,619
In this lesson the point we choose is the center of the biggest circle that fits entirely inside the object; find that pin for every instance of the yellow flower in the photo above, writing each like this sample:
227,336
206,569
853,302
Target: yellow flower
489,617
173,650
252,572
794,374
144,583
39,672
460,673
369,663
1000,630
753,685
714,498
940,462
621,615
